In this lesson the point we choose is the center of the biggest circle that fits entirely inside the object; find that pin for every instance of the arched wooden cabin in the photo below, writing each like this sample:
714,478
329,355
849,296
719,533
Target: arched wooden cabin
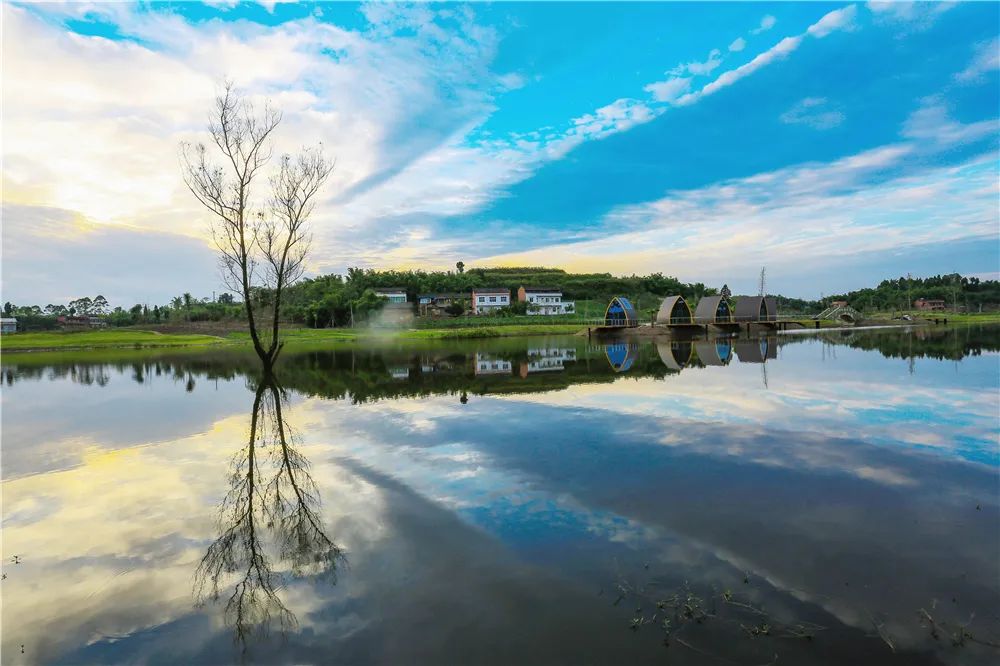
620,313
674,310
756,308
713,310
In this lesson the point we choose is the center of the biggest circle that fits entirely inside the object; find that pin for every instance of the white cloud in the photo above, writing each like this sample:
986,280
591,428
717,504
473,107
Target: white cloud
738,45
789,214
393,109
931,123
766,24
669,90
55,256
696,68
908,16
986,59
728,78
814,112
839,19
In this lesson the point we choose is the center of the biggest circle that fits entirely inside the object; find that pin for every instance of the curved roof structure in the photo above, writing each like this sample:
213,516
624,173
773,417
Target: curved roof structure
674,310
713,310
675,355
772,308
756,308
714,352
621,355
620,313
752,351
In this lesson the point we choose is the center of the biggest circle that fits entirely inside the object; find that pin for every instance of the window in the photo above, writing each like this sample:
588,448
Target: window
482,299
493,299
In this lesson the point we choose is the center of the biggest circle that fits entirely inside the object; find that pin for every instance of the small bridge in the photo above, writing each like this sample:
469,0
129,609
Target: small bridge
840,313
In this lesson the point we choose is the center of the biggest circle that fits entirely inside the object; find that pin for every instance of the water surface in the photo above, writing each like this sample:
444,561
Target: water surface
824,499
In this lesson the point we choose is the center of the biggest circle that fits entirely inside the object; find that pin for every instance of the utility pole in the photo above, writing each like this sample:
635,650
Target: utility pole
909,296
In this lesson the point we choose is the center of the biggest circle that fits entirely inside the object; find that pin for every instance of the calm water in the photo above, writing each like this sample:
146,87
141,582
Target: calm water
541,500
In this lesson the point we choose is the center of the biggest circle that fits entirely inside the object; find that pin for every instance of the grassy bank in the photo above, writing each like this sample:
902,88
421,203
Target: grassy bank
109,339
952,317
100,339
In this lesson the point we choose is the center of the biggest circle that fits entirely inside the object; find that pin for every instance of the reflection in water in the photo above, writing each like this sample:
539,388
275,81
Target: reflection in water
675,355
621,355
269,518
714,352
579,503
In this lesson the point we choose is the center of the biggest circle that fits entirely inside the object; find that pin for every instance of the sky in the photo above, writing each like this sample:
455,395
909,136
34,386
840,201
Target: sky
835,144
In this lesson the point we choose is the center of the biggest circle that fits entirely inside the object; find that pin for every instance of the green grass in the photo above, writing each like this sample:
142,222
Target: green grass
100,339
130,339
952,317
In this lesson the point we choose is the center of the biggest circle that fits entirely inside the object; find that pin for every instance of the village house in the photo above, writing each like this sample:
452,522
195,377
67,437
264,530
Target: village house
81,321
394,294
543,301
928,304
397,311
435,305
8,325
487,300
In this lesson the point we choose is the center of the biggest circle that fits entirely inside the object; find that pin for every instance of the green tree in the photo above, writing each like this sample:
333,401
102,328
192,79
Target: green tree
460,266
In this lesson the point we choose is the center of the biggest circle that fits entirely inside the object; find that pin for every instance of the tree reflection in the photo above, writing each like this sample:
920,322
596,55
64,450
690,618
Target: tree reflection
269,526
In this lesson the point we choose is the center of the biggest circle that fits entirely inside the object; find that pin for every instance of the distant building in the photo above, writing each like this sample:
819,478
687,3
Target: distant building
928,304
394,294
542,301
8,325
838,304
81,321
435,305
487,300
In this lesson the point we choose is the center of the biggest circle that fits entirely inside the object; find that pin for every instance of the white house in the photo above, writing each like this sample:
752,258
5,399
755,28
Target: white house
545,301
8,325
487,300
394,294
552,358
491,365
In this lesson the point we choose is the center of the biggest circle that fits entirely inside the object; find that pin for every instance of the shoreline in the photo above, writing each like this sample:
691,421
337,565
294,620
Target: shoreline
133,339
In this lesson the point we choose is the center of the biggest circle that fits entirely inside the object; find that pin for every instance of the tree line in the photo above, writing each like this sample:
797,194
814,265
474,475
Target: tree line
956,290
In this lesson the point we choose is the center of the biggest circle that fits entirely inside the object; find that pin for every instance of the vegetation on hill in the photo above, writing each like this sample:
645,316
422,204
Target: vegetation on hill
339,300
958,292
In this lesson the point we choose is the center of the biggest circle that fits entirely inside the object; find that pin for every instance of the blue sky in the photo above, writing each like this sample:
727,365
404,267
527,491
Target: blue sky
838,144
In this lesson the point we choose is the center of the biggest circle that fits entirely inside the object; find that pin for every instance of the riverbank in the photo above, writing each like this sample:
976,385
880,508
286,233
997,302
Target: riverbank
136,339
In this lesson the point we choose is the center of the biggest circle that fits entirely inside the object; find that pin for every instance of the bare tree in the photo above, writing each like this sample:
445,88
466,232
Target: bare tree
261,248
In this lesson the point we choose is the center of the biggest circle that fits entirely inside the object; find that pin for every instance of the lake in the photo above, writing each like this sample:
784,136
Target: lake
797,499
